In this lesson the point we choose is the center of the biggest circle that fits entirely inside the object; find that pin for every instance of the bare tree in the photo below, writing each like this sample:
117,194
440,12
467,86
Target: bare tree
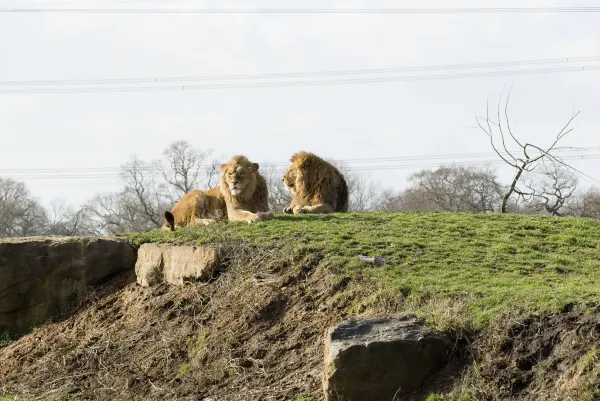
454,189
587,204
63,219
184,169
410,200
531,154
141,191
365,195
387,201
279,197
116,213
20,213
105,214
554,188
150,189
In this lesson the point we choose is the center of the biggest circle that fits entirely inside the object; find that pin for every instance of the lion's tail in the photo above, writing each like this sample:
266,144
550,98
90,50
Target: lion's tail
342,200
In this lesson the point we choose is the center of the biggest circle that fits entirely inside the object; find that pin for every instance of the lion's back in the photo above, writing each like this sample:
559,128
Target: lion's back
199,204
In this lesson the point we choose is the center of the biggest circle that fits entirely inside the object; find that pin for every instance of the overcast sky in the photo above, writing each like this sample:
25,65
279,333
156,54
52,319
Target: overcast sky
375,120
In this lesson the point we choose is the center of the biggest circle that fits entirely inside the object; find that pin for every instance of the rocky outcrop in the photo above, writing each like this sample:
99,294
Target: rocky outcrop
174,265
41,275
381,358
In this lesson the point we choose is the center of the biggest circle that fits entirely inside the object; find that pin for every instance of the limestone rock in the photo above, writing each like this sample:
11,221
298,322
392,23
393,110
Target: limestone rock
41,275
375,359
174,264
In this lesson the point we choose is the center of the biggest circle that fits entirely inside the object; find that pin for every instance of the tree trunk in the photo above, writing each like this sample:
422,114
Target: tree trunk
511,189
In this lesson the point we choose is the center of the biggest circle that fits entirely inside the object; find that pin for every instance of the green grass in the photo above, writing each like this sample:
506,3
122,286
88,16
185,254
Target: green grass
439,397
480,265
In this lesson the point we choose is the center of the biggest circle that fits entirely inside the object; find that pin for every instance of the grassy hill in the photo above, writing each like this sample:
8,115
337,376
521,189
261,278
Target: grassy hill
518,294
458,270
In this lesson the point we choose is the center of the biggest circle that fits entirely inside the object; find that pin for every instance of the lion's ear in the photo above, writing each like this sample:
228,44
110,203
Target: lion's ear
170,220
255,166
223,167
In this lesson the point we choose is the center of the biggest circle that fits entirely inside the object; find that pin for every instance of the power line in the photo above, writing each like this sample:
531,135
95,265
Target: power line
253,85
284,164
381,11
421,68
384,167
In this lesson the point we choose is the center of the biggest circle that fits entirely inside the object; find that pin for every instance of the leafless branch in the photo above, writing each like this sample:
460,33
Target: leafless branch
529,162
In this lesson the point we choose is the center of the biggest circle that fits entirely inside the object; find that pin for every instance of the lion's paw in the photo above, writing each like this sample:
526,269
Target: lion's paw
298,209
288,210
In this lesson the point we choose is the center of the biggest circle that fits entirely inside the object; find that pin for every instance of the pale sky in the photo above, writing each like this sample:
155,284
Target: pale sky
374,120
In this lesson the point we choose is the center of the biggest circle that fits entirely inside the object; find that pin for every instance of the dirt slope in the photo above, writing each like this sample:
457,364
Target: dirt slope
260,338
251,338
550,358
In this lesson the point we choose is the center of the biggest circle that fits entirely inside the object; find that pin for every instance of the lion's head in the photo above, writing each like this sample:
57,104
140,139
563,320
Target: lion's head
239,177
289,179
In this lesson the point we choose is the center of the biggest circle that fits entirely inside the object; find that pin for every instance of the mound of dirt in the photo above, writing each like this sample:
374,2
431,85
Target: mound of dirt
553,357
256,333
252,336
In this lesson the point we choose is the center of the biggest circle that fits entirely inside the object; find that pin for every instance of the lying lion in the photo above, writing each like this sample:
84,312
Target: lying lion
242,195
317,186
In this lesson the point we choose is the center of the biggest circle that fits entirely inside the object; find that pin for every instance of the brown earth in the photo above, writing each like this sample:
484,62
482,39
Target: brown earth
256,333
553,357
252,336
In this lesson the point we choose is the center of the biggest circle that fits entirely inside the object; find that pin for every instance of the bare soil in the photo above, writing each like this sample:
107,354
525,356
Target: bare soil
259,336
253,338
554,357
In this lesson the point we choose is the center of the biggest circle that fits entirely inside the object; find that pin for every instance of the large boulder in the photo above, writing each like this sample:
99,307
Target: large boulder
381,358
174,264
41,275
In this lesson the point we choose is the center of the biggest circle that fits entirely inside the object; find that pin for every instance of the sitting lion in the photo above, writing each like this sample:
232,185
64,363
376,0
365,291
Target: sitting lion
241,196
317,186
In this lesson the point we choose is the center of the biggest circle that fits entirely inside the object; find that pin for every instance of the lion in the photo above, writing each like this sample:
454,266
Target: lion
196,208
242,195
316,185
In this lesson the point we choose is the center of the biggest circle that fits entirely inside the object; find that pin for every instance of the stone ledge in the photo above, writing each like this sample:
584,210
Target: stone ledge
41,275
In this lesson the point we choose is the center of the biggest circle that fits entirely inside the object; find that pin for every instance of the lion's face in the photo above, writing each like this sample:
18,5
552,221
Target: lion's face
239,176
289,180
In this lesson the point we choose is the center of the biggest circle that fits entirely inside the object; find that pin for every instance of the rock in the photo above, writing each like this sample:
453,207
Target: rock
41,275
379,358
175,265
